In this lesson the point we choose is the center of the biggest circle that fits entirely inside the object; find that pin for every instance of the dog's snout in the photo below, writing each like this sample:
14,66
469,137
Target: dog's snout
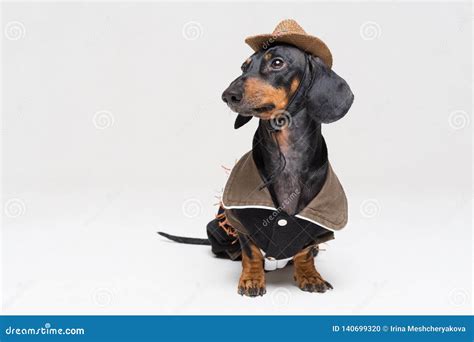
234,93
231,96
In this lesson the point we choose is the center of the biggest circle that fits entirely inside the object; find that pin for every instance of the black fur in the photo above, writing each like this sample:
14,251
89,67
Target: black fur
186,240
329,97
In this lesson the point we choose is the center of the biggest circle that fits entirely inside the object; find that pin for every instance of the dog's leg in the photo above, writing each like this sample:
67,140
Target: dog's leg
306,276
252,279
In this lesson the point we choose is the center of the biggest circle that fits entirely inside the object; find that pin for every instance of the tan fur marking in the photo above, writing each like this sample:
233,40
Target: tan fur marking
294,85
306,276
282,136
259,93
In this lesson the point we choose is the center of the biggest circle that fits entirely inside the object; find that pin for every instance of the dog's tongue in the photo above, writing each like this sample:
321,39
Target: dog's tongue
241,120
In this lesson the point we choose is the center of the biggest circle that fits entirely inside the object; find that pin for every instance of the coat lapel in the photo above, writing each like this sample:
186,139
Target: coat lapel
244,190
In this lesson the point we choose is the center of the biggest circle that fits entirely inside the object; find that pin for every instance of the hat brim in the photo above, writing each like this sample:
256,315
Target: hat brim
310,44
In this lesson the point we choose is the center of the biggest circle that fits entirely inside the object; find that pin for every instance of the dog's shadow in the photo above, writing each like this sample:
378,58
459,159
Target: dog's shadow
281,277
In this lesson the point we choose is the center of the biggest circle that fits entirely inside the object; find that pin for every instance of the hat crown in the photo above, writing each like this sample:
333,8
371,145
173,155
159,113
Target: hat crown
288,26
289,32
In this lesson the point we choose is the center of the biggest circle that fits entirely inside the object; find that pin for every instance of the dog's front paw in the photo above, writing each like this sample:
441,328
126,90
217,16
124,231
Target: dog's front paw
252,287
312,283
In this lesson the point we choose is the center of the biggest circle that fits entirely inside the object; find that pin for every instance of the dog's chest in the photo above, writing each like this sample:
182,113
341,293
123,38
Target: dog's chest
296,185
288,188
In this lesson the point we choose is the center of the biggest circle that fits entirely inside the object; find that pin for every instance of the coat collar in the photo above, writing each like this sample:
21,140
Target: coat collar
244,190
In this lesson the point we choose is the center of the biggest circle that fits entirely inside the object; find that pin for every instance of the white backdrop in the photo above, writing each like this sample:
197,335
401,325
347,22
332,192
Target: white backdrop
113,128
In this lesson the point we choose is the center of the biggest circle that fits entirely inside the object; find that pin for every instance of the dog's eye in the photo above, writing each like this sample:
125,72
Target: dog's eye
277,63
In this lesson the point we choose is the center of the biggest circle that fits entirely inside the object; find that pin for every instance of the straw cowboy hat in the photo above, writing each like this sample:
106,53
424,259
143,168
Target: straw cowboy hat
288,31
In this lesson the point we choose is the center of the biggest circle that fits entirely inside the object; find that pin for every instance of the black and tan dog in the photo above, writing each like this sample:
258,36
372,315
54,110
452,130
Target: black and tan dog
282,198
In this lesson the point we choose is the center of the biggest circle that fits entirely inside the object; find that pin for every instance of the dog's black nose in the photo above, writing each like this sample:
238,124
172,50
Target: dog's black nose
231,96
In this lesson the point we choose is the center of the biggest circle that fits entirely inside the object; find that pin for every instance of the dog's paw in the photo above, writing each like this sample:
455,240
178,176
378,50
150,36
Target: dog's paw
312,283
252,287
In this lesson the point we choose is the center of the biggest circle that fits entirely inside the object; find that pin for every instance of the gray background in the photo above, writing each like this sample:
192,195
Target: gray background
113,128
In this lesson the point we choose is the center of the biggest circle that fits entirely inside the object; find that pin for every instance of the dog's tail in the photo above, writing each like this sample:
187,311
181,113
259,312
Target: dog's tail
186,240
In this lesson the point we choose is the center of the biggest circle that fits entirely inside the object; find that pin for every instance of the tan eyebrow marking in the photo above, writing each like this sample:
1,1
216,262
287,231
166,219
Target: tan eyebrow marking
294,85
246,63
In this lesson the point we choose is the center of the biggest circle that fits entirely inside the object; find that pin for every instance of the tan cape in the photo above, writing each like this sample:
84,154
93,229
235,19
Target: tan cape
243,190
248,208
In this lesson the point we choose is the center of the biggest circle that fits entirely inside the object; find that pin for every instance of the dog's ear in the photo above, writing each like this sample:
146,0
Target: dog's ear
329,97
241,120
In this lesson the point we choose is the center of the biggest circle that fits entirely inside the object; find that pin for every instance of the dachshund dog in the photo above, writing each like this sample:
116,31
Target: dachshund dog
292,93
